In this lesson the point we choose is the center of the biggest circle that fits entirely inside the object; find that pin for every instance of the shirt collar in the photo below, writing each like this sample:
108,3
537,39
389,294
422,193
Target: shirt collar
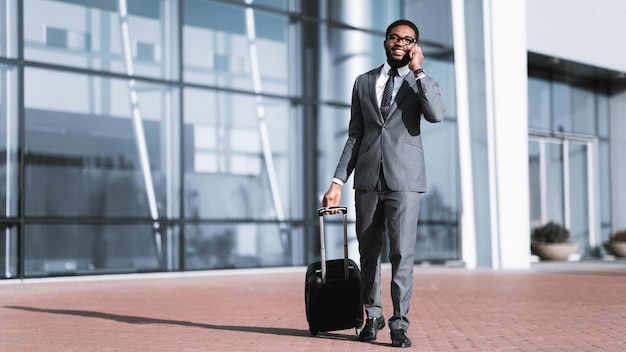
402,71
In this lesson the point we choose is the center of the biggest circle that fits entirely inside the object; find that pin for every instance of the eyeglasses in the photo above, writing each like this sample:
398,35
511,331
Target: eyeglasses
403,41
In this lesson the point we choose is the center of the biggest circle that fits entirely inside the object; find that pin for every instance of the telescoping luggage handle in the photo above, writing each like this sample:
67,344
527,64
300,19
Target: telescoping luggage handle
321,212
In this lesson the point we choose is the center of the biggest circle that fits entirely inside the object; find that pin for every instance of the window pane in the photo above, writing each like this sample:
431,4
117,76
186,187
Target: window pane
333,126
562,107
606,191
433,18
603,115
8,28
86,146
539,104
8,141
440,202
8,251
534,178
368,14
52,250
230,245
437,243
345,54
236,144
574,109
605,184
578,196
102,35
554,183
224,48
583,111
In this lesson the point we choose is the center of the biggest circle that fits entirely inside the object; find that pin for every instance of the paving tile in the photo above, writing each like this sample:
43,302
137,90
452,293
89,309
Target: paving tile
547,308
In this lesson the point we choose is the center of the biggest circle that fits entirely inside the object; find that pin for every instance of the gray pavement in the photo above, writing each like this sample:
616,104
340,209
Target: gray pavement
573,306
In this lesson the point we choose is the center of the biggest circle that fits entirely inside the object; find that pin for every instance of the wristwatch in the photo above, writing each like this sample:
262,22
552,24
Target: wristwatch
418,71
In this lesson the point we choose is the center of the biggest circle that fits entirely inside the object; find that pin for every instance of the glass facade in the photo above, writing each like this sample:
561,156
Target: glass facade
188,135
8,28
134,37
568,150
84,141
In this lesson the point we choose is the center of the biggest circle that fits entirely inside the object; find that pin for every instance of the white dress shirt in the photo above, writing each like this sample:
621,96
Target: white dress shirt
397,82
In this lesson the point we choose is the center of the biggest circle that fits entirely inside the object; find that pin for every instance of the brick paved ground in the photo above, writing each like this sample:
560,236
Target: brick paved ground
553,308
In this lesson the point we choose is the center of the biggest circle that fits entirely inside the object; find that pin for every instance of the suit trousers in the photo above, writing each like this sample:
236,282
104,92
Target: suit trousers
397,212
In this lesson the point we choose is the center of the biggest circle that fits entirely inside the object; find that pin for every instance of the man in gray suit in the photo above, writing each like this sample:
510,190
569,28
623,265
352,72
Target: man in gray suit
384,149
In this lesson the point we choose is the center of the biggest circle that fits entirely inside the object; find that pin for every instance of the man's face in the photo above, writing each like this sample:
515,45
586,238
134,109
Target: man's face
395,47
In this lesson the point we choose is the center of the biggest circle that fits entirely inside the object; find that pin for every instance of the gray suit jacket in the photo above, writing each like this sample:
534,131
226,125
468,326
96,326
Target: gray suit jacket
394,143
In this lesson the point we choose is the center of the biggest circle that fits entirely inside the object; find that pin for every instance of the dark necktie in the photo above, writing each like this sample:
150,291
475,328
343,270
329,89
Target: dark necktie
385,105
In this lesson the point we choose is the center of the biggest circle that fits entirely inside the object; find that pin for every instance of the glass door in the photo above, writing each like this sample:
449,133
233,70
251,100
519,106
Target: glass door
561,187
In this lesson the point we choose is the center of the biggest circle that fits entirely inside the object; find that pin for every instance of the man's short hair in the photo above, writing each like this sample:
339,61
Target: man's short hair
400,23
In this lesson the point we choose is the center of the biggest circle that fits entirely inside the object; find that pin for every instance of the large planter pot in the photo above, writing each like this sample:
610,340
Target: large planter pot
553,251
616,248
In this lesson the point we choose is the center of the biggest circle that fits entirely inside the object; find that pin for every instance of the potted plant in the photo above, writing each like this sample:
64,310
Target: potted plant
617,244
551,242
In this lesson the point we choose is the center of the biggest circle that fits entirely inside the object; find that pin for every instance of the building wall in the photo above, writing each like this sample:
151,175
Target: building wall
587,35
579,30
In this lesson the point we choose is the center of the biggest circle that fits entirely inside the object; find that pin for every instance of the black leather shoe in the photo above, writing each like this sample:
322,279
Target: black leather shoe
399,338
371,328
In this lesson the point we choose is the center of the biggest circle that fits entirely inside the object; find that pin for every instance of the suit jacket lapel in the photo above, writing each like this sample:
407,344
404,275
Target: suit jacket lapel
372,88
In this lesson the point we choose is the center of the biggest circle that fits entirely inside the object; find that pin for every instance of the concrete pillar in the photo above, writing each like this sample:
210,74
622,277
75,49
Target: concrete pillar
507,124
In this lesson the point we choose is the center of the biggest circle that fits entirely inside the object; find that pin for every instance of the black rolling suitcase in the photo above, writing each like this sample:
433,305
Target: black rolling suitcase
332,292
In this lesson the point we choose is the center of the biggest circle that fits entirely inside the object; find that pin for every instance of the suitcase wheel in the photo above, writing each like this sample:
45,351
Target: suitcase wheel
313,332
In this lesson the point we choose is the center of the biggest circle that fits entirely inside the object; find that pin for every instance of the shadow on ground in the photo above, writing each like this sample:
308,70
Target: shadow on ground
129,319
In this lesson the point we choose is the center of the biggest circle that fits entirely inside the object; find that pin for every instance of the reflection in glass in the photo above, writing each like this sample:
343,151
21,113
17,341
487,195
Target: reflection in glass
606,191
440,202
8,250
9,194
89,35
53,250
433,18
217,41
560,188
574,109
604,115
539,104
227,156
579,196
437,243
555,196
8,141
364,14
266,86
439,206
235,245
345,54
81,149
8,28
534,177
583,111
